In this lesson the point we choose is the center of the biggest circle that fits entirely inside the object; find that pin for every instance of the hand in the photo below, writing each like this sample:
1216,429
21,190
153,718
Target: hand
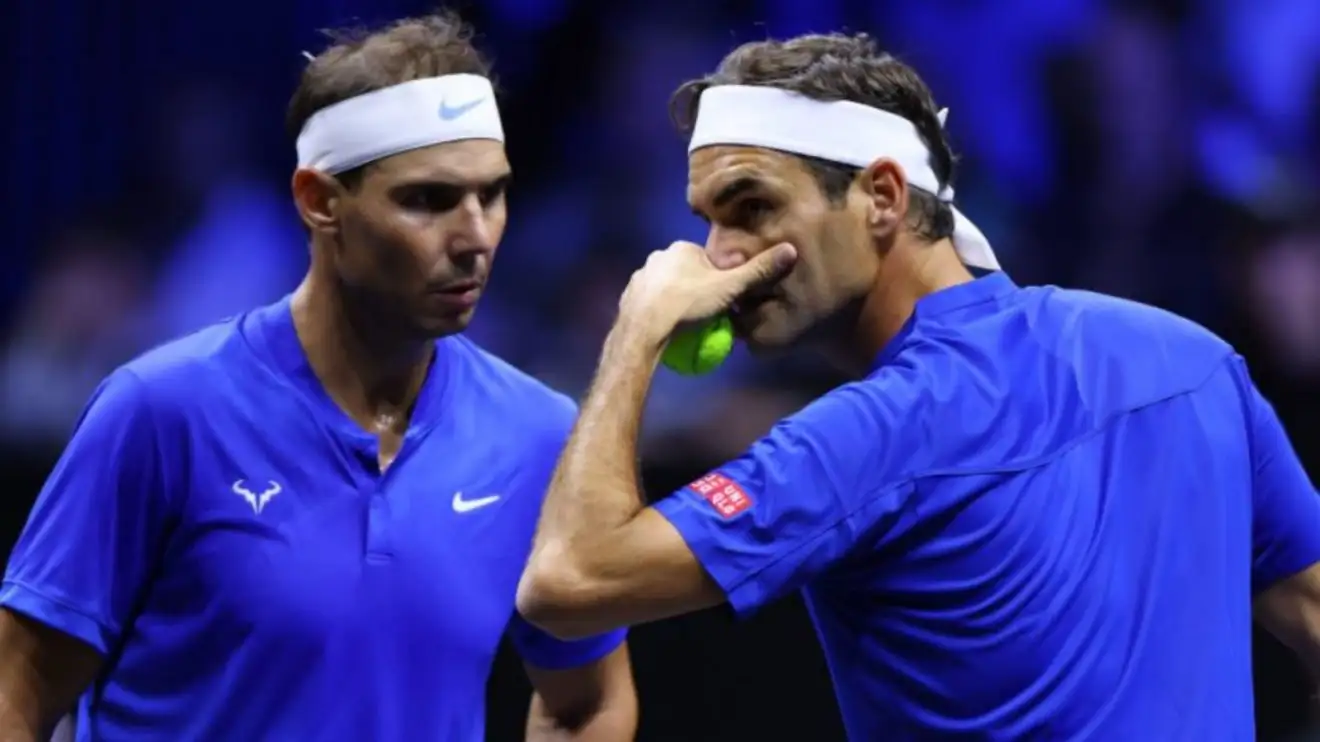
680,284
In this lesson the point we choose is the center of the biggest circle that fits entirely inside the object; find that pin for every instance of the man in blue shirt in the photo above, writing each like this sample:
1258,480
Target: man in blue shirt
308,522
1036,514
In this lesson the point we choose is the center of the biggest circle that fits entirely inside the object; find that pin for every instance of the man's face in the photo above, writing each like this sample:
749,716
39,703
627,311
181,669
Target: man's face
755,199
418,235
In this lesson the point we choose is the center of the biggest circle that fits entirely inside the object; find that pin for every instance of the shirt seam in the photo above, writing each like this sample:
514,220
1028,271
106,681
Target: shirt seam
158,453
1018,467
107,626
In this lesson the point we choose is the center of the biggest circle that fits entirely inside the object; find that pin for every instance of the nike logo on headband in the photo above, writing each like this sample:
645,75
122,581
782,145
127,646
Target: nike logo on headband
449,113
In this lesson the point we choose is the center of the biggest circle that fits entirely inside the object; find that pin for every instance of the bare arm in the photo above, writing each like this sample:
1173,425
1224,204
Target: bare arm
1290,610
601,559
42,672
1285,532
592,703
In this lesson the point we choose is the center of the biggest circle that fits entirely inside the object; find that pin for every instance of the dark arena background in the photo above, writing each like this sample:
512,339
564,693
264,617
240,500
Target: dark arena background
1163,151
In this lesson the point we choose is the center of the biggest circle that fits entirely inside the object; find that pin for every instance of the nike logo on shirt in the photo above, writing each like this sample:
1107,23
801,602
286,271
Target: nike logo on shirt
464,506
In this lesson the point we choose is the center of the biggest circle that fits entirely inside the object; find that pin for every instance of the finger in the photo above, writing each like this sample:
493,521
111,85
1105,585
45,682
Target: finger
767,266
685,245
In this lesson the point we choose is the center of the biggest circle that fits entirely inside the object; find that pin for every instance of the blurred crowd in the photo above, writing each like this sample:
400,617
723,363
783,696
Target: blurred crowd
1163,151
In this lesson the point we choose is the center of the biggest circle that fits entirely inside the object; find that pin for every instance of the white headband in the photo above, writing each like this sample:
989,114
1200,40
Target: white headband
399,118
838,131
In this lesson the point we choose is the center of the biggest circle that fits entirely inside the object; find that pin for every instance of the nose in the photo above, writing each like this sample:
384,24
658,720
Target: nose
727,248
474,232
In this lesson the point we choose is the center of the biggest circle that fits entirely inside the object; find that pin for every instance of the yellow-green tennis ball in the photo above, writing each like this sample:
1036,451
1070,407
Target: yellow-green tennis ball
700,350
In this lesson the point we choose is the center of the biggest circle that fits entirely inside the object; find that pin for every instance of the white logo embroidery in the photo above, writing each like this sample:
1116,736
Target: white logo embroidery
465,506
258,500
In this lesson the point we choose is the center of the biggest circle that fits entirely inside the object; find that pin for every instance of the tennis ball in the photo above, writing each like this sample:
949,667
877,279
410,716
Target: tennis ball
699,350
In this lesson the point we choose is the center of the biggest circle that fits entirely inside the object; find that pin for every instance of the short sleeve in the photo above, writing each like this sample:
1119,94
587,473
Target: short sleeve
541,650
82,560
801,499
1285,529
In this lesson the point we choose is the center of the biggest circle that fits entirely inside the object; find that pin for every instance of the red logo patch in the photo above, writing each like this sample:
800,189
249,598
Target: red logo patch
722,493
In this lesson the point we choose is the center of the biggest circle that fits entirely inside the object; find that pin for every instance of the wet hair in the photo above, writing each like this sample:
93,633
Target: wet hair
832,67
361,61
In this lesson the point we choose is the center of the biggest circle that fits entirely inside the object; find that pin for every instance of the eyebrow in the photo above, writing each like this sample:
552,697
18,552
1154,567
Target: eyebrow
735,189
501,181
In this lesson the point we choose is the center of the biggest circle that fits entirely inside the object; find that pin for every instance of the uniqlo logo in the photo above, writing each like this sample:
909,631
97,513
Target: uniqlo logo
722,493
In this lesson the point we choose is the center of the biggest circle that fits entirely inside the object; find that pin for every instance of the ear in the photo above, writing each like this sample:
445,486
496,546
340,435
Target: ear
317,197
886,184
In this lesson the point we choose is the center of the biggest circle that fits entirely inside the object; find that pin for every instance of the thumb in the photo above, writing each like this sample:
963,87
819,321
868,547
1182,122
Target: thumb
765,267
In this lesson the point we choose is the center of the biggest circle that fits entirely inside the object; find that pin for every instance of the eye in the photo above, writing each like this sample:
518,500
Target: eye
433,199
492,193
754,210
758,207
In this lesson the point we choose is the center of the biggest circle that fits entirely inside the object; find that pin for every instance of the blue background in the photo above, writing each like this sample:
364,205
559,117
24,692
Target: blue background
1164,151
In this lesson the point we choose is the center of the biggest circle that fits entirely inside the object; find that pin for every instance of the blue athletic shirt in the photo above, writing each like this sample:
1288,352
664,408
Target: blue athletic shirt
219,530
1043,515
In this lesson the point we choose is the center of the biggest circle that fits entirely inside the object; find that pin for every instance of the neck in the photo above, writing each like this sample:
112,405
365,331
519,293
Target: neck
372,374
910,271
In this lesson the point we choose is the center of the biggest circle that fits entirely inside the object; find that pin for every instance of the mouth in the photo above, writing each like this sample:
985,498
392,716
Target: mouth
745,314
751,301
459,295
455,287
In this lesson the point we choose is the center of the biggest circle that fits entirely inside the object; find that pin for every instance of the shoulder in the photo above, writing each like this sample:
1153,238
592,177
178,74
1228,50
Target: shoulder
178,376
1111,321
1019,382
512,394
860,433
1123,354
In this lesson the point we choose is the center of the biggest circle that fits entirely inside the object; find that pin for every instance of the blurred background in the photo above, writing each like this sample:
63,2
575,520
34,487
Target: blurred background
1167,151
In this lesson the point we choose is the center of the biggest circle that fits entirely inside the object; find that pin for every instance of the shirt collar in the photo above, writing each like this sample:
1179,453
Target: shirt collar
986,288
272,332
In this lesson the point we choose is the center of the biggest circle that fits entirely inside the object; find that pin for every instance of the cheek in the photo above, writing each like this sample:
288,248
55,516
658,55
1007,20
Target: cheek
496,219
832,269
380,250
813,277
847,247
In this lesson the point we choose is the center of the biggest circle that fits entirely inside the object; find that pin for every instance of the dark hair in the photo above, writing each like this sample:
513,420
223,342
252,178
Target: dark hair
839,67
361,61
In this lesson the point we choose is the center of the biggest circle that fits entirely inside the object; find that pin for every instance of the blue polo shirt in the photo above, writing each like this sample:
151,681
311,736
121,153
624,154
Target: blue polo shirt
1043,515
219,530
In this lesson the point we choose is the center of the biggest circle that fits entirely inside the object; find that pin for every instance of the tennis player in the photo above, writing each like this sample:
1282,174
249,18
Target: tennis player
308,523
1036,514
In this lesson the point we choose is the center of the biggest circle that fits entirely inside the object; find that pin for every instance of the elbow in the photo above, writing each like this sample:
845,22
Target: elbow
555,597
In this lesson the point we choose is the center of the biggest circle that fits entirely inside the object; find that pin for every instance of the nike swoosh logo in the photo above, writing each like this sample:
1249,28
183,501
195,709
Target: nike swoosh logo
464,506
449,113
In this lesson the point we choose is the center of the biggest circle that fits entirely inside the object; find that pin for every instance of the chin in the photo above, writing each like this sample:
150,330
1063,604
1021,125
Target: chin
764,335
763,344
434,325
771,325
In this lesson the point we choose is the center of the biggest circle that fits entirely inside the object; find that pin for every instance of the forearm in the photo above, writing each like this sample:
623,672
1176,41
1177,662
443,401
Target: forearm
18,732
601,559
595,489
42,672
596,702
610,723
19,718
579,557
